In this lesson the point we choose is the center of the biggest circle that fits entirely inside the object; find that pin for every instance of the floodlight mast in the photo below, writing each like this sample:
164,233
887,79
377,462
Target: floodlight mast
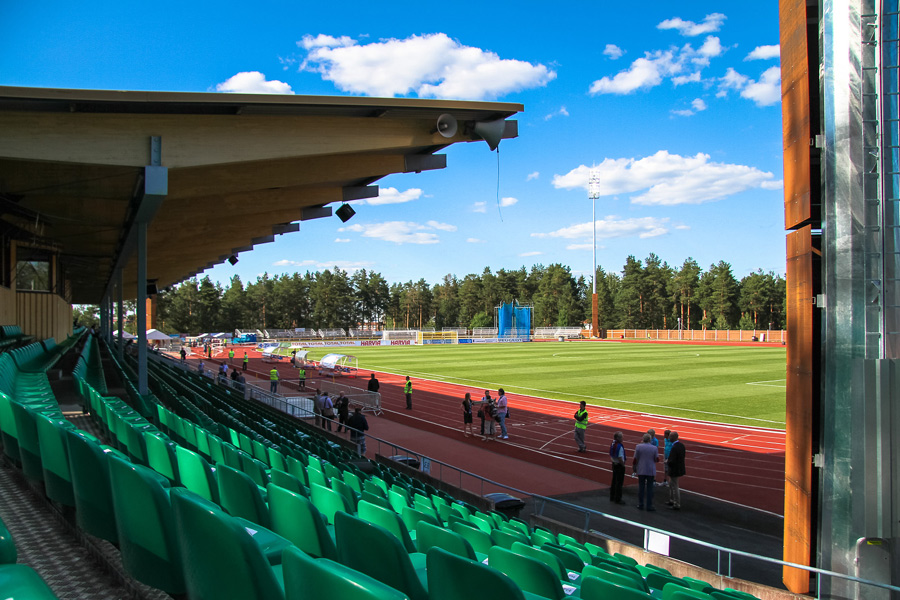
593,194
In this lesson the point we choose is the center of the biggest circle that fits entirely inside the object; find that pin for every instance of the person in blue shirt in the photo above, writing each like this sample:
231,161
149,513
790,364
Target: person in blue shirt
666,452
617,458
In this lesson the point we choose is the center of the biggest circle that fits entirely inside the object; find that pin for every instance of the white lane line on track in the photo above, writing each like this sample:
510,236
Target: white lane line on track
494,385
767,383
554,439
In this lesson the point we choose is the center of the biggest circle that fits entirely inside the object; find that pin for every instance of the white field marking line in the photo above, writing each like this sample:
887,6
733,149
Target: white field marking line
493,385
550,441
767,382
768,512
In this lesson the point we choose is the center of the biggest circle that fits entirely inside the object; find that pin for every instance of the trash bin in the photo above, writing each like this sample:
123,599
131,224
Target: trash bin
561,338
506,504
410,461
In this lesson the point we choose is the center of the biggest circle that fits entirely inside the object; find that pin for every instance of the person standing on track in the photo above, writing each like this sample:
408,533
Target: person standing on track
675,464
655,441
183,354
581,423
646,455
666,451
490,413
246,361
482,413
231,355
273,380
502,412
373,384
617,457
467,414
301,378
407,391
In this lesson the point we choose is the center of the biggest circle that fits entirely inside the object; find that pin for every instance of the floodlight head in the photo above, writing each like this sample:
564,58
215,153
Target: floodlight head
594,185
152,289
233,260
345,212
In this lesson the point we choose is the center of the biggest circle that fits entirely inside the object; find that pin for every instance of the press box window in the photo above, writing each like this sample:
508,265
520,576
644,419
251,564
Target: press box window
33,270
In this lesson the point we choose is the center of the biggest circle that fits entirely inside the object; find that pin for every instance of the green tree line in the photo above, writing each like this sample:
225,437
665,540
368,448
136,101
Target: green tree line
647,294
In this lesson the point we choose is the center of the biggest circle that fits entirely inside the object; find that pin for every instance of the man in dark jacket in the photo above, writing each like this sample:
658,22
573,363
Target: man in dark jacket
358,426
675,463
373,384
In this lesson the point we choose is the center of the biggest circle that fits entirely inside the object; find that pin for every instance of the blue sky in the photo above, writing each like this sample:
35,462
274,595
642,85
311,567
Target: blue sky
676,106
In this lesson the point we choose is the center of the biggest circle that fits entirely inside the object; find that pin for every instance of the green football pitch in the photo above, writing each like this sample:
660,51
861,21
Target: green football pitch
728,384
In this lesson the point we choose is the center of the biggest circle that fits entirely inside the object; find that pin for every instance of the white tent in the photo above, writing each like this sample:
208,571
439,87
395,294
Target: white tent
156,334
125,335
338,364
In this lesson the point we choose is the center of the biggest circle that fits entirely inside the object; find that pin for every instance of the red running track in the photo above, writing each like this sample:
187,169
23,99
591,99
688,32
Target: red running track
734,463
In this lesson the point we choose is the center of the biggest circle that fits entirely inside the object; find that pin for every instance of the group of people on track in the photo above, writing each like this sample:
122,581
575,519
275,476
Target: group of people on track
490,411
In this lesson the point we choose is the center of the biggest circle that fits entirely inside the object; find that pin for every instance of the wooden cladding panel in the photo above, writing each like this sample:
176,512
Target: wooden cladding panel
798,494
43,315
795,111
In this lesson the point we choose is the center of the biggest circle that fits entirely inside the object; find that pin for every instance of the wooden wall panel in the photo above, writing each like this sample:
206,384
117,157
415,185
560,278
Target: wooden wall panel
795,112
798,493
7,306
43,315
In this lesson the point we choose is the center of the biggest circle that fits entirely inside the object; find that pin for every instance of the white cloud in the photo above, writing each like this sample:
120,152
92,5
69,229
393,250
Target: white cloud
710,23
474,241
533,175
441,226
561,112
341,240
773,185
580,247
318,265
764,52
325,41
613,51
479,207
732,80
252,82
684,112
293,263
400,232
610,227
393,196
668,179
532,253
431,65
766,91
682,65
504,202
698,104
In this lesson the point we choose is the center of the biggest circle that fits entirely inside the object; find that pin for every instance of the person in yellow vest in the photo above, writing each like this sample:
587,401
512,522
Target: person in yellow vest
273,380
246,361
301,373
231,355
407,391
581,423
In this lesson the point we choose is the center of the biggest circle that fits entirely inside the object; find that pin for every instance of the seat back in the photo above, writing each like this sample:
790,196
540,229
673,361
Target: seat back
657,581
294,517
221,560
388,519
146,525
161,454
568,557
88,463
480,541
430,536
288,481
8,552
453,577
506,538
376,552
239,495
55,459
412,516
306,577
542,555
596,588
29,446
530,574
328,501
8,431
196,474
618,576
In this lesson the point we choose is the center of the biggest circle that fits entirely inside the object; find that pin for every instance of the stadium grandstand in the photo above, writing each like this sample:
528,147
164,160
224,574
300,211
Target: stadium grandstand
182,487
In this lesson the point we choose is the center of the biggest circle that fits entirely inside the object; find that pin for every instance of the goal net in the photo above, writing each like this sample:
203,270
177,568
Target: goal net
438,337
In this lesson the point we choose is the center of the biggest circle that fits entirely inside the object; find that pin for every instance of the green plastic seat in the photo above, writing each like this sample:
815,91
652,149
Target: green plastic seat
376,499
625,559
288,481
55,459
596,588
399,498
480,541
696,584
341,487
316,476
328,501
296,468
221,559
216,452
621,577
539,537
306,578
146,526
658,581
196,474
22,582
454,577
239,496
8,552
569,558
675,591
530,574
731,594
506,538
276,459
486,525
388,519
256,469
354,481
88,463
374,487
549,559
161,454
8,431
295,518
412,517
376,552
430,536
29,446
